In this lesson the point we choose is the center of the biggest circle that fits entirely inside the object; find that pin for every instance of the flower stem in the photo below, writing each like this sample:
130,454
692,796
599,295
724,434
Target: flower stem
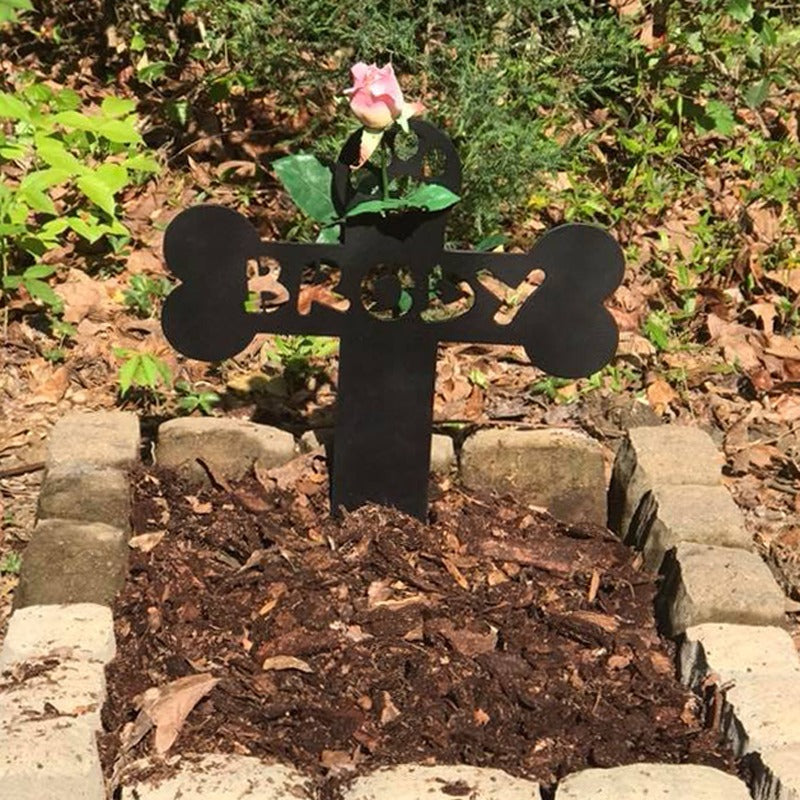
384,171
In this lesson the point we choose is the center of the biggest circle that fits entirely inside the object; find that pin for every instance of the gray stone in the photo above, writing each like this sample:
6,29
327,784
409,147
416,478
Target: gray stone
560,469
662,781
664,455
414,781
86,494
760,714
703,583
223,777
443,453
72,562
50,759
72,688
670,514
229,447
102,439
736,652
776,774
83,631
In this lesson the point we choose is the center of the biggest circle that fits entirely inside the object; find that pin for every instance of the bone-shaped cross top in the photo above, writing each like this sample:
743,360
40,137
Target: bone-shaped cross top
387,361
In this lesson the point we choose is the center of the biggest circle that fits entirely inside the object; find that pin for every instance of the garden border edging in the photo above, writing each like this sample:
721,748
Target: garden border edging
724,624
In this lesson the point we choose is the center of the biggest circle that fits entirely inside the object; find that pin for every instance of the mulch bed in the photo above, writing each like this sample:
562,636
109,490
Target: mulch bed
494,636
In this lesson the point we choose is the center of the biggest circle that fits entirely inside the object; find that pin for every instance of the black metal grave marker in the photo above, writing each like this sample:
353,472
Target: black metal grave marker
387,363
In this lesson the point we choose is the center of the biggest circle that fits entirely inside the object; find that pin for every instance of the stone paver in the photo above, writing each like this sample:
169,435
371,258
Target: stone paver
86,494
415,782
50,759
669,514
230,447
716,584
776,774
443,453
84,631
70,688
560,469
735,652
663,455
652,782
761,714
221,777
103,439
72,562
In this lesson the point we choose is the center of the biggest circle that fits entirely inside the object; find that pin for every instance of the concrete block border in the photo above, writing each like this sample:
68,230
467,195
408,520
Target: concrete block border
666,499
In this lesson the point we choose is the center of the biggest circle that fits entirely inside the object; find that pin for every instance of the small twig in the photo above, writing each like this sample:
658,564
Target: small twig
22,469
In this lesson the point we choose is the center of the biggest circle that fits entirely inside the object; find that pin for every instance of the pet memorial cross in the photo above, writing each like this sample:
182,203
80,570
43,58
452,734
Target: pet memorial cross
393,293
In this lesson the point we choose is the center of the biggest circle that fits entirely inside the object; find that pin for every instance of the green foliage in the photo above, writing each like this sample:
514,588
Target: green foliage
143,291
194,399
10,564
61,150
309,183
141,370
10,10
297,355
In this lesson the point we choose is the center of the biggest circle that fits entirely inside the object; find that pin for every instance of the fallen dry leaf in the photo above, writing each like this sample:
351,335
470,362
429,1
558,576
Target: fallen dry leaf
286,662
166,707
389,711
145,542
197,506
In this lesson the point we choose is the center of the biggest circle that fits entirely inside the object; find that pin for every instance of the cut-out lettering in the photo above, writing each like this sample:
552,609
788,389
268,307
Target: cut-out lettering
265,292
511,298
318,286
386,291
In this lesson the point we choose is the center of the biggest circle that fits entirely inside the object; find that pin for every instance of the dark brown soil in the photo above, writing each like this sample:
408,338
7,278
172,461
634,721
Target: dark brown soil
493,636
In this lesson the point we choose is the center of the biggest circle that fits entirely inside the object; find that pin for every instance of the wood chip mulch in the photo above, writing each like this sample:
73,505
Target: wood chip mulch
493,636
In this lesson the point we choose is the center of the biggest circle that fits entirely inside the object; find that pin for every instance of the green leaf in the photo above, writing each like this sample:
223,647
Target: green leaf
740,10
149,371
490,242
38,271
767,33
719,117
757,94
127,372
43,291
432,197
331,234
76,121
309,183
119,131
98,192
13,108
92,231
376,207
67,100
44,179
142,163
117,107
37,199
114,176
13,152
56,155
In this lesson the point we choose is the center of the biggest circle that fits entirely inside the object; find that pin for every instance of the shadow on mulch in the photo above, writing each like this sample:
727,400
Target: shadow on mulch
494,636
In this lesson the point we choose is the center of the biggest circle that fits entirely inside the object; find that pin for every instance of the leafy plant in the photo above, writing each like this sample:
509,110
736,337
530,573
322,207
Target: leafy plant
10,564
194,399
297,354
143,291
141,370
10,10
69,163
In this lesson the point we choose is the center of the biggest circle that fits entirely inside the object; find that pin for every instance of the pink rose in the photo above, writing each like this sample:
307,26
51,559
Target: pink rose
375,97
